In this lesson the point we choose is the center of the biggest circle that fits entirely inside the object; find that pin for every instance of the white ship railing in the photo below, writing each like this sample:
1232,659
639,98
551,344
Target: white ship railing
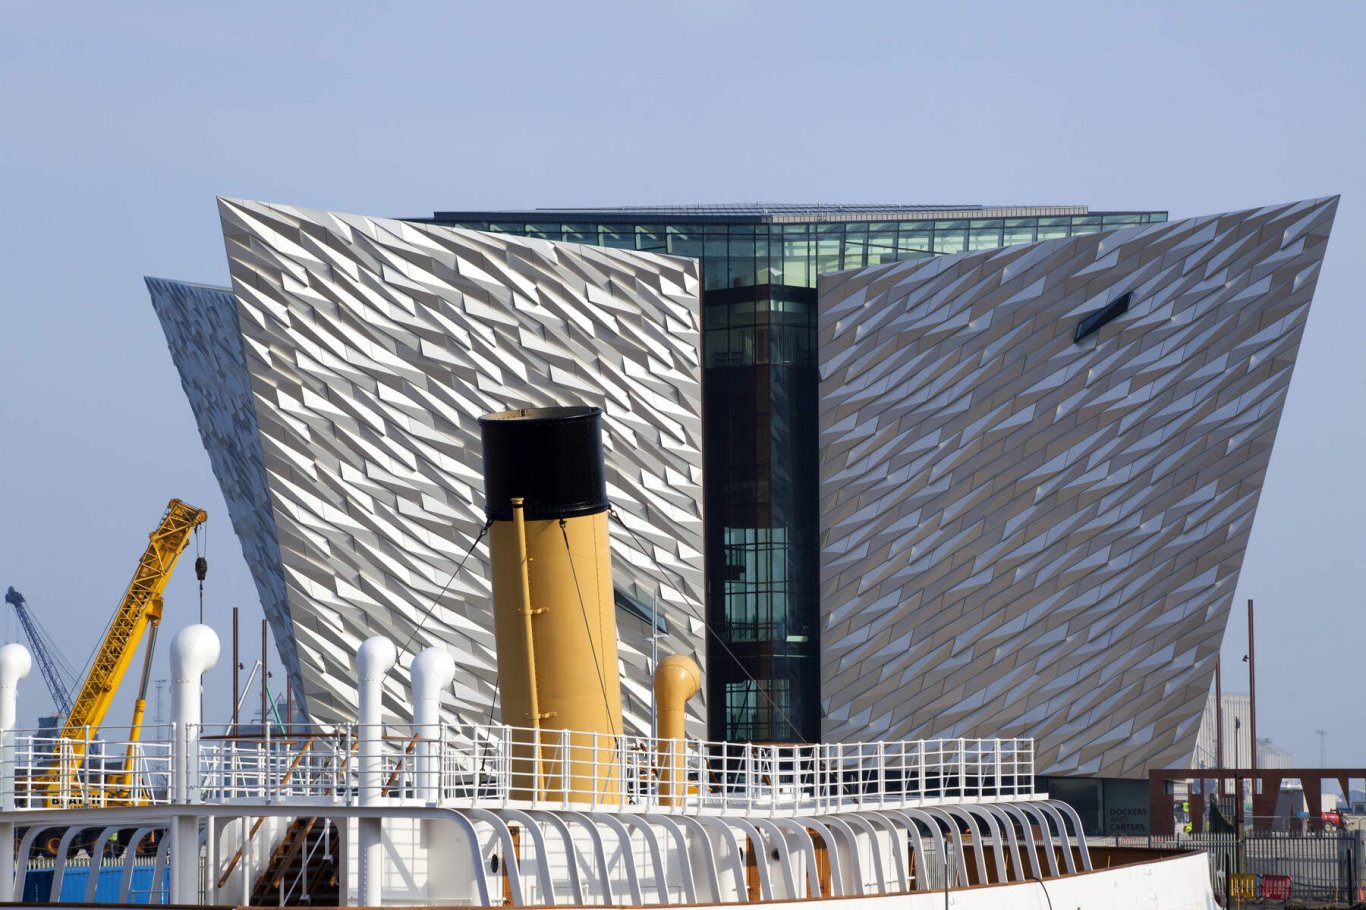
500,766
43,770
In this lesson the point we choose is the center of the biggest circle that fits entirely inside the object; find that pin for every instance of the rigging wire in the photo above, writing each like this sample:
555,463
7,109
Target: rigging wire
587,628
437,599
758,687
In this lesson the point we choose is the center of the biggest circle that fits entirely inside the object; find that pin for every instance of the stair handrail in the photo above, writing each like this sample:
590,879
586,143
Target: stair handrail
287,892
299,829
398,768
260,819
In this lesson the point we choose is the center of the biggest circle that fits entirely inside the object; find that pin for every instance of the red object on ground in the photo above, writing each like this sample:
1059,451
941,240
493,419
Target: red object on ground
1276,887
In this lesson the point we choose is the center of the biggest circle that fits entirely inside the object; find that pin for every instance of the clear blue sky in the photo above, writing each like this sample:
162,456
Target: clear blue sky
122,121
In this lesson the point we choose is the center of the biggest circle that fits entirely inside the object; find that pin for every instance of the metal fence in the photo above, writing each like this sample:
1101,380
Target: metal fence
1320,866
498,765
43,770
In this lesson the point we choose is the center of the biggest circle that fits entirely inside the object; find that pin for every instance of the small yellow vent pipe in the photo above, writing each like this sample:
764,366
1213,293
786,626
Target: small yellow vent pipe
677,679
545,494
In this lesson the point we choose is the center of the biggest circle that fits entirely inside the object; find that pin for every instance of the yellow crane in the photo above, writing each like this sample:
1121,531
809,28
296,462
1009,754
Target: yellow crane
138,615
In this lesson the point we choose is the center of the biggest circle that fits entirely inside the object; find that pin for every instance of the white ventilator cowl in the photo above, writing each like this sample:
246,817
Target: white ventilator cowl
433,672
374,659
15,664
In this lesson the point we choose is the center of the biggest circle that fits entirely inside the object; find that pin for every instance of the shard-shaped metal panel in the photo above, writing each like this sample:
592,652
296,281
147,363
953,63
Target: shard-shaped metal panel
373,346
200,323
1024,534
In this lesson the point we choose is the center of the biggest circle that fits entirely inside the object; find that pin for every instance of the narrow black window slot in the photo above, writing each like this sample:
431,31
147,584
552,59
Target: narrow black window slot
639,610
1091,323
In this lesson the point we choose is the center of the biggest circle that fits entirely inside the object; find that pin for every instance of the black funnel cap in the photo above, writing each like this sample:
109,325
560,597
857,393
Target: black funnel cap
550,457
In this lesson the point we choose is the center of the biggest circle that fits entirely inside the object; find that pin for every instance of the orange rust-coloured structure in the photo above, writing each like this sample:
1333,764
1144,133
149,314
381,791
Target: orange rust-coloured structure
1162,817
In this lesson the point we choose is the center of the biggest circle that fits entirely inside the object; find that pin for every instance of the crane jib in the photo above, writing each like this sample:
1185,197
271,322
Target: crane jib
137,616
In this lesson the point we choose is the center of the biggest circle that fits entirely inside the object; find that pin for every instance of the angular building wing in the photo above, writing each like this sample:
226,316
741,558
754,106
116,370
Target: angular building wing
370,348
1039,470
200,323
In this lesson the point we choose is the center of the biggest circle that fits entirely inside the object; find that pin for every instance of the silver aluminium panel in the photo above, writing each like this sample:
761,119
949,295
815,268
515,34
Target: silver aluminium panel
373,346
200,324
1023,535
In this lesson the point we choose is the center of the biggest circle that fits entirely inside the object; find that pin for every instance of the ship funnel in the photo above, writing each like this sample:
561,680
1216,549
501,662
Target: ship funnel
545,494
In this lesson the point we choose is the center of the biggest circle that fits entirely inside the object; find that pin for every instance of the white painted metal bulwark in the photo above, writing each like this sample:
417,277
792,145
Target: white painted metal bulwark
756,824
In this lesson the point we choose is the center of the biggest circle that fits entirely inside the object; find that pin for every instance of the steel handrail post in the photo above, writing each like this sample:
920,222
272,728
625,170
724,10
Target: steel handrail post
623,780
783,757
864,781
191,765
827,779
924,784
566,750
837,776
441,745
900,776
881,773
749,776
813,776
505,763
905,774
265,722
768,770
177,762
595,798
8,770
84,769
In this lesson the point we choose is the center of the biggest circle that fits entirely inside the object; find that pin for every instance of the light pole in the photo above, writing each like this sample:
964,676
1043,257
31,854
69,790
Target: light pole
1252,692
1238,793
654,665
1323,748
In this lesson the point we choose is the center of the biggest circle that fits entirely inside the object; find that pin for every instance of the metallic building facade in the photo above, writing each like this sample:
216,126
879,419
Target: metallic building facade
1031,530
931,510
200,324
760,264
370,348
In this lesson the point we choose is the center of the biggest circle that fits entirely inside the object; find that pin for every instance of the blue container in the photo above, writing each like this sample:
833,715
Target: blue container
38,883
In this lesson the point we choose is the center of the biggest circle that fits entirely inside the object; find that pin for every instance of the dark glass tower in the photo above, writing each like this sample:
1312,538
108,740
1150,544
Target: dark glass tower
760,389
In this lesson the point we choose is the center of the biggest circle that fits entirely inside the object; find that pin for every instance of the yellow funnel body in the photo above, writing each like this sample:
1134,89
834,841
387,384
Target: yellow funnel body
554,608
567,670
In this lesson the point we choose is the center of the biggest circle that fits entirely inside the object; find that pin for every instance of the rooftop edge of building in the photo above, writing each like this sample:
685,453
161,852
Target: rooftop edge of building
766,213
